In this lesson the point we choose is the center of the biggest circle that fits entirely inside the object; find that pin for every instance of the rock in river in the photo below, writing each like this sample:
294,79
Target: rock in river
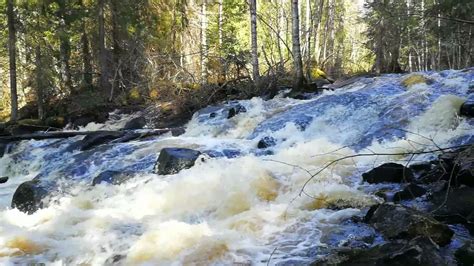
400,222
173,160
388,172
29,195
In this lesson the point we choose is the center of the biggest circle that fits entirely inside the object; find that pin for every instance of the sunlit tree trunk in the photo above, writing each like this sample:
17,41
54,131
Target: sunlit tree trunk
12,60
253,30
65,47
297,61
39,82
204,46
104,67
308,33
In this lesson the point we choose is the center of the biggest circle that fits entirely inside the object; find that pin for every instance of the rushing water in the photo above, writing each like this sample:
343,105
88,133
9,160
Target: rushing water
241,205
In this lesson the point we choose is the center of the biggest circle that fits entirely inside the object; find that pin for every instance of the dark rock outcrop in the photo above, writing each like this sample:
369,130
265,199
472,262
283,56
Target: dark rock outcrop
467,109
135,123
465,254
266,142
411,191
400,222
454,206
3,148
420,251
173,160
3,179
98,138
388,172
112,177
29,196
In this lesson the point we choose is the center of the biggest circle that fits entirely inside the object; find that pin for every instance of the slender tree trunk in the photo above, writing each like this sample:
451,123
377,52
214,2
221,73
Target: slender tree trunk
309,32
220,19
297,61
39,82
12,60
204,47
253,31
103,64
410,59
319,14
86,58
65,48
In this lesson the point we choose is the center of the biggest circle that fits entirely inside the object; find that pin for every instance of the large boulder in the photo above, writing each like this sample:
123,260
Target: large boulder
454,206
400,222
112,177
420,251
173,160
388,172
29,196
467,109
135,123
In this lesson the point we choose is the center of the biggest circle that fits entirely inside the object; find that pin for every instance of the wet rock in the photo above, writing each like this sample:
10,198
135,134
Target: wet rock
421,168
3,148
55,121
235,110
467,109
388,172
81,120
3,179
465,254
411,191
400,222
112,177
173,160
266,142
454,206
26,126
177,131
29,195
135,123
98,138
229,153
420,251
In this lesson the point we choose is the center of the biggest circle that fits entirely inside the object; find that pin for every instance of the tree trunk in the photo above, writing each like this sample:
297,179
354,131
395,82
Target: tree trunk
64,48
103,65
86,58
12,60
204,47
297,61
253,30
39,83
308,28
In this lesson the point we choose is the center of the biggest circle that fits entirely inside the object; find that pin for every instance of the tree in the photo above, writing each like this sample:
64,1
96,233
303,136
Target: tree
103,58
253,30
204,44
299,80
12,59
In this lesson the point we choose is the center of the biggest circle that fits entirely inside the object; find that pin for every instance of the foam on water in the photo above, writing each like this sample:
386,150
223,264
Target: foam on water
229,210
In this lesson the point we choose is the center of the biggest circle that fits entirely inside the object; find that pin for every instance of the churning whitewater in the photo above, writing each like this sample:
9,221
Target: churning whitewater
238,204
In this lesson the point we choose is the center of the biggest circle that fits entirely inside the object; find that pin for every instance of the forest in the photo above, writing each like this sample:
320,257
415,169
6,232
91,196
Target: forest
82,53
237,132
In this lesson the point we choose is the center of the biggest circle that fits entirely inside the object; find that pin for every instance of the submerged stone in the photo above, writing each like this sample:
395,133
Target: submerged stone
173,160
388,173
99,138
3,179
112,177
